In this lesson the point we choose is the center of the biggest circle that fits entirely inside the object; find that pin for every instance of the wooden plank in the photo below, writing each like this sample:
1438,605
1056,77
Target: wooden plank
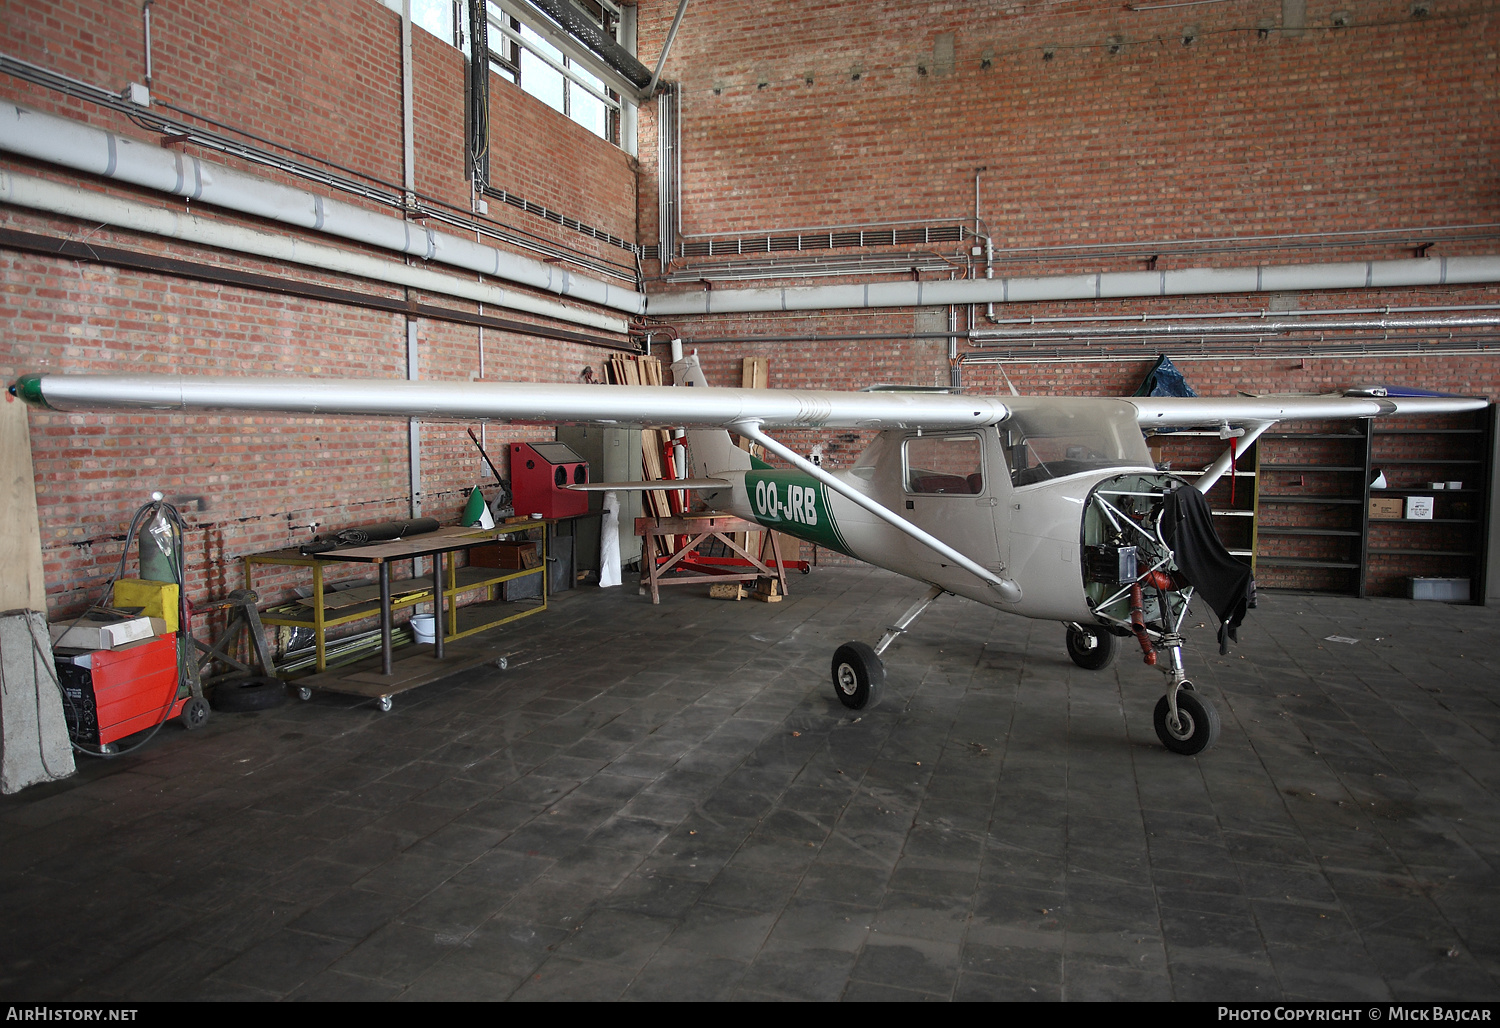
22,586
755,373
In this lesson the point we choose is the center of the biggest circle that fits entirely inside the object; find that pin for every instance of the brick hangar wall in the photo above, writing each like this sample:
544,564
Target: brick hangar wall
805,114
813,115
1096,127
324,79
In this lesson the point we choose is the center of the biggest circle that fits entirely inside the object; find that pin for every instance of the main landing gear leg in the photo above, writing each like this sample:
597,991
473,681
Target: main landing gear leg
859,673
1184,722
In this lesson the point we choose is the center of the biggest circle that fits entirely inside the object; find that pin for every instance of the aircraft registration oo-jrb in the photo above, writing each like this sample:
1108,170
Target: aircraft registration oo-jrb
1045,507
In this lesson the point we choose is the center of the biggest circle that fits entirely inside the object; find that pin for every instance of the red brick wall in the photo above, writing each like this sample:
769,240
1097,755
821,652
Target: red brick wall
325,79
1390,123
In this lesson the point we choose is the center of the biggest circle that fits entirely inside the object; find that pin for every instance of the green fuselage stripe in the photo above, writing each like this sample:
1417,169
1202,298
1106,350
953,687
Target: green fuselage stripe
795,504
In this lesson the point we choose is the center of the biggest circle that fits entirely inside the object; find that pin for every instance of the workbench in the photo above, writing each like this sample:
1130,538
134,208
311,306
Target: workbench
687,567
448,583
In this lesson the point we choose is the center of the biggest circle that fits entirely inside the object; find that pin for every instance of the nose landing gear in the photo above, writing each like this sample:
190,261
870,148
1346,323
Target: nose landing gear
1185,723
859,673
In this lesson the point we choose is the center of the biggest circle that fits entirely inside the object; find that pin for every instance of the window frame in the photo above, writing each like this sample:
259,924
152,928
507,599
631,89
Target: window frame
508,65
908,484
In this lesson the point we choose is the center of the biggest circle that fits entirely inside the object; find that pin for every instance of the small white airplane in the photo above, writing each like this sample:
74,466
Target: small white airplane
1045,507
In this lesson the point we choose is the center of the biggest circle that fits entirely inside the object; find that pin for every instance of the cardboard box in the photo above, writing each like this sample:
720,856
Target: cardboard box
1419,508
1385,508
1444,590
516,556
94,633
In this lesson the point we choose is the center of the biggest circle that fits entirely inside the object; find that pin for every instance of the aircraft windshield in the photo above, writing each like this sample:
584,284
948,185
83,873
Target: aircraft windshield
1056,437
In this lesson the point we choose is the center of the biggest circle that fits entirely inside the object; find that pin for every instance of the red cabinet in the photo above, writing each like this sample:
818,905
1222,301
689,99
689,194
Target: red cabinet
121,692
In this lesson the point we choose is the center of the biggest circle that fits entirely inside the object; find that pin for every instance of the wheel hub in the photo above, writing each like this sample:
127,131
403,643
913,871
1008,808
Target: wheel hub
848,681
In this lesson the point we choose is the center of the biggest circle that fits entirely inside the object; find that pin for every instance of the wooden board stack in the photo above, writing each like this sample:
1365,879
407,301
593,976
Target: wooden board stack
625,369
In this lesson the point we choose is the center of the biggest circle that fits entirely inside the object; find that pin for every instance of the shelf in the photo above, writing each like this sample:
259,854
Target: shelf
292,616
1234,513
1459,449
1312,467
1354,500
467,579
476,617
1429,431
1378,461
1352,533
1424,521
1306,562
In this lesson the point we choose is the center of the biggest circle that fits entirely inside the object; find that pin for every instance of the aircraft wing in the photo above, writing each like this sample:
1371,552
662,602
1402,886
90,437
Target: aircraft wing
1208,411
508,401
566,403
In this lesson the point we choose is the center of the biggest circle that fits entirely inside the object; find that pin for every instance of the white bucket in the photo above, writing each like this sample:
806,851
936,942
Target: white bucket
422,626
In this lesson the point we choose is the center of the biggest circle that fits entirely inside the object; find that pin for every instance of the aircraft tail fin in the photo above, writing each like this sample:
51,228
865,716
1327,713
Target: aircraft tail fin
710,450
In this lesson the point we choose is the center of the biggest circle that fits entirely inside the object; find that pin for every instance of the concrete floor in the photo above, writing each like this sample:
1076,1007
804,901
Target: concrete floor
667,803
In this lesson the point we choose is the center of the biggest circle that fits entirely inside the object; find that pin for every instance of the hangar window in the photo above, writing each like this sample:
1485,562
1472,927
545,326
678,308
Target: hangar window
524,57
944,464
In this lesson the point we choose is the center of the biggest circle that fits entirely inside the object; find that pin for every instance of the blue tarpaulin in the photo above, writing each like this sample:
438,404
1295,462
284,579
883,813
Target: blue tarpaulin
1164,380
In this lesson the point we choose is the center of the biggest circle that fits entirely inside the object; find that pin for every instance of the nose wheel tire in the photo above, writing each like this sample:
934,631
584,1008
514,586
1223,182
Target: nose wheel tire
1197,726
858,676
1092,649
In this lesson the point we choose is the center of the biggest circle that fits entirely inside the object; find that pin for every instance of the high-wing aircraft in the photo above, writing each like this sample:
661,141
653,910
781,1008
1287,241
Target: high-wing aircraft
1045,507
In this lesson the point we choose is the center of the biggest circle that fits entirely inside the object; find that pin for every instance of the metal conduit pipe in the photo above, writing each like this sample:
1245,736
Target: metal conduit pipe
87,205
1420,271
990,336
71,144
1321,312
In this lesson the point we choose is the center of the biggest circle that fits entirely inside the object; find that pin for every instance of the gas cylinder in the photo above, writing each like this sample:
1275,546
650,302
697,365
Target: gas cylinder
160,547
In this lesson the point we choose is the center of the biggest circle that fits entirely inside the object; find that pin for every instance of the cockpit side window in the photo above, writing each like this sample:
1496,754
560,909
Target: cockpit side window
944,464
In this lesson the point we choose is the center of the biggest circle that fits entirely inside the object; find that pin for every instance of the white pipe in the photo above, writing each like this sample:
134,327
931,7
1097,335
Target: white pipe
87,205
1421,271
1261,327
72,144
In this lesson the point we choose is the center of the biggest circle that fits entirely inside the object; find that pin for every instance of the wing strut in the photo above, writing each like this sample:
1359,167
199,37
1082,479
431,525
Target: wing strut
1215,471
1008,589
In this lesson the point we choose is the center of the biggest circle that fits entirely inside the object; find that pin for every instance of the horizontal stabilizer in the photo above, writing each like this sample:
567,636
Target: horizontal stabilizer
673,483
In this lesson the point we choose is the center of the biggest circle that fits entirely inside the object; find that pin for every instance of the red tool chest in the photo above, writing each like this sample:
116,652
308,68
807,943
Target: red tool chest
122,691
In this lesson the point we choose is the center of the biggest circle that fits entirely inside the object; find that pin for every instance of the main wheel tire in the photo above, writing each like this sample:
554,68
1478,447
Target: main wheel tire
858,676
1092,649
194,714
237,695
1197,728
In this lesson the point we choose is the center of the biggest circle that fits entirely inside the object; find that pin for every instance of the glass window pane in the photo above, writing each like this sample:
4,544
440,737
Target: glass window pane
944,464
537,77
541,81
436,16
539,44
588,110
